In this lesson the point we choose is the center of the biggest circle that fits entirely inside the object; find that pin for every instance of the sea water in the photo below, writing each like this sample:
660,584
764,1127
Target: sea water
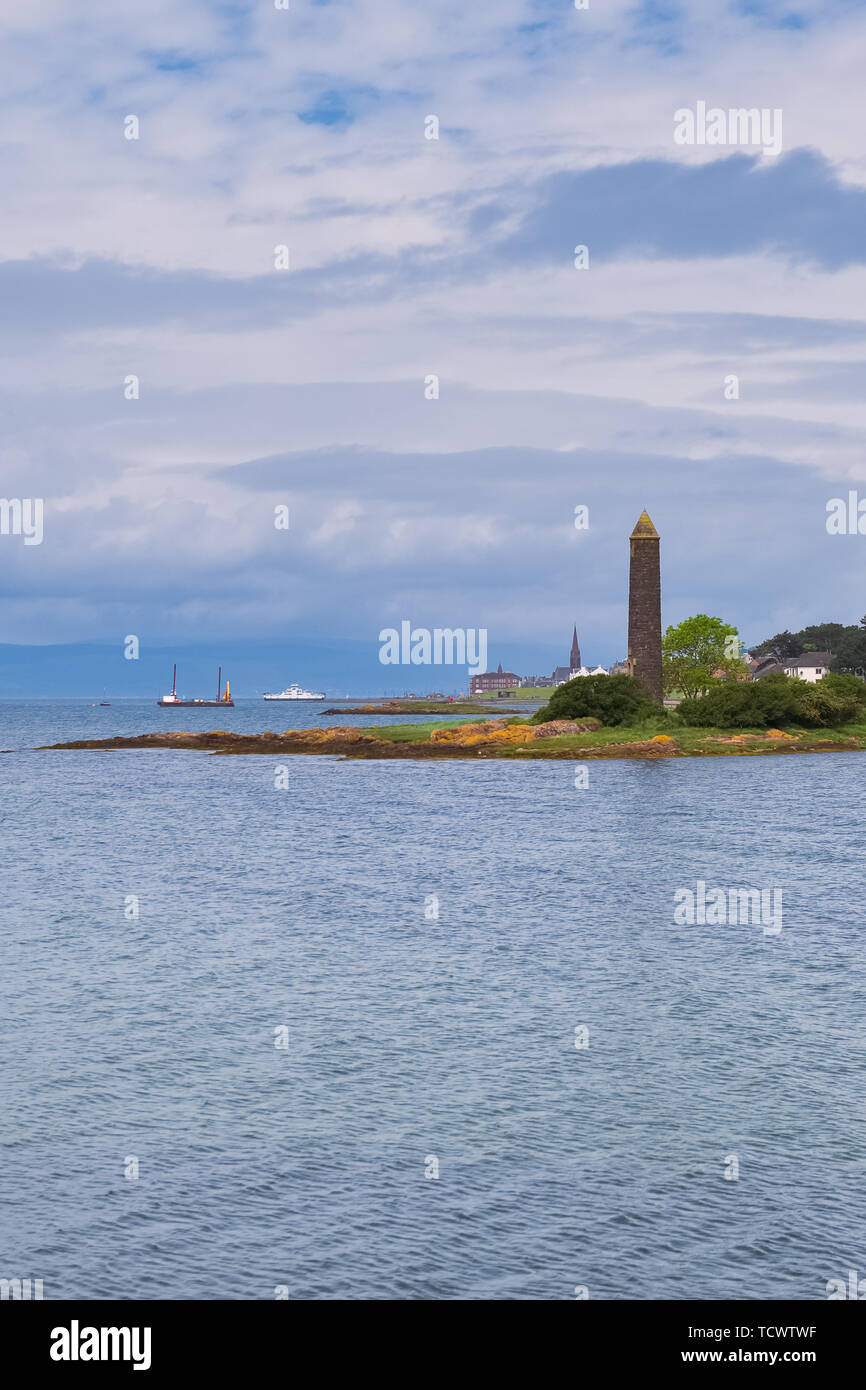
423,1030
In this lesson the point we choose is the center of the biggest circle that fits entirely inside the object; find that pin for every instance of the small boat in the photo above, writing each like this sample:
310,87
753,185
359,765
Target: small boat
105,702
295,692
173,701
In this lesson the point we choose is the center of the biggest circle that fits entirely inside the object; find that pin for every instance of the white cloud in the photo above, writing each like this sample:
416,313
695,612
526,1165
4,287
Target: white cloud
625,361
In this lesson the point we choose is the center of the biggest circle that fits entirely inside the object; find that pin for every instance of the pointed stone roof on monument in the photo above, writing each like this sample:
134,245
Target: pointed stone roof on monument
644,529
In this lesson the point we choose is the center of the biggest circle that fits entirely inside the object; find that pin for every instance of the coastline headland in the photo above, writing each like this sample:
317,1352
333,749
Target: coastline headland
560,739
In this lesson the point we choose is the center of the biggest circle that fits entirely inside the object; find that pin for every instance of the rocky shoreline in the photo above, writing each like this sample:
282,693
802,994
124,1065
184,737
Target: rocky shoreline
495,739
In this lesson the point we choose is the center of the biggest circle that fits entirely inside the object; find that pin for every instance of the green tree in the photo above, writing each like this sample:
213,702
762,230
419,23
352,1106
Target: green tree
823,637
783,645
846,643
694,650
849,652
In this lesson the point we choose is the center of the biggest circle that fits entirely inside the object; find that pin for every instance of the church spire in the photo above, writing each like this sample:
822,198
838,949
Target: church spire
575,652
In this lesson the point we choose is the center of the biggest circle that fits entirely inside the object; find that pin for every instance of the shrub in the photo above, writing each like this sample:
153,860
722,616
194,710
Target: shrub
775,700
834,700
612,699
742,705
850,686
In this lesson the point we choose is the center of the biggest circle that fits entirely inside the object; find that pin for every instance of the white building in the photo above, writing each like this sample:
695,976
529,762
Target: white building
809,666
582,671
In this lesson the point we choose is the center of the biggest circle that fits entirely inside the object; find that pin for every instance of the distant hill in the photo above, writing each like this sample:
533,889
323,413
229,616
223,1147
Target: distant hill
335,666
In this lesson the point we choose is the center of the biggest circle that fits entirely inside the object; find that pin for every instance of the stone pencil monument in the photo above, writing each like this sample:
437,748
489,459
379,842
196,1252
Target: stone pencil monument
645,607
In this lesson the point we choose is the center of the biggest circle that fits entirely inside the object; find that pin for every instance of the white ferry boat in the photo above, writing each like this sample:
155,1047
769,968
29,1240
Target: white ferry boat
295,692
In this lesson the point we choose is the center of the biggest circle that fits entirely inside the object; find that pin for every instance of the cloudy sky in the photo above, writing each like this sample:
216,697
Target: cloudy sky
412,257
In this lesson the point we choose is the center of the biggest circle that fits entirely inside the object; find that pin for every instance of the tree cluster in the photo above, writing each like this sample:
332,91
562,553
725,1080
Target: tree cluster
847,643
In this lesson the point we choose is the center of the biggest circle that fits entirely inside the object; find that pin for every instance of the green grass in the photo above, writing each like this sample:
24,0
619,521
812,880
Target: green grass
691,740
688,739
541,692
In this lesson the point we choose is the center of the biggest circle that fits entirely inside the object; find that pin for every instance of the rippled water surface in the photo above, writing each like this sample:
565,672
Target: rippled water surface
412,1038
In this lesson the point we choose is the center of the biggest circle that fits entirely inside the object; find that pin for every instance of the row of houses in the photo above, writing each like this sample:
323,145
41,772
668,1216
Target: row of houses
500,680
808,666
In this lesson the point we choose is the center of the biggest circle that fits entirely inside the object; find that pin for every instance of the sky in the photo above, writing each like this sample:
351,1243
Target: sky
308,387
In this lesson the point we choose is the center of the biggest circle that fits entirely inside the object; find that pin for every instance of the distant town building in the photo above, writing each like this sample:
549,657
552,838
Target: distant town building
575,666
561,674
493,680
